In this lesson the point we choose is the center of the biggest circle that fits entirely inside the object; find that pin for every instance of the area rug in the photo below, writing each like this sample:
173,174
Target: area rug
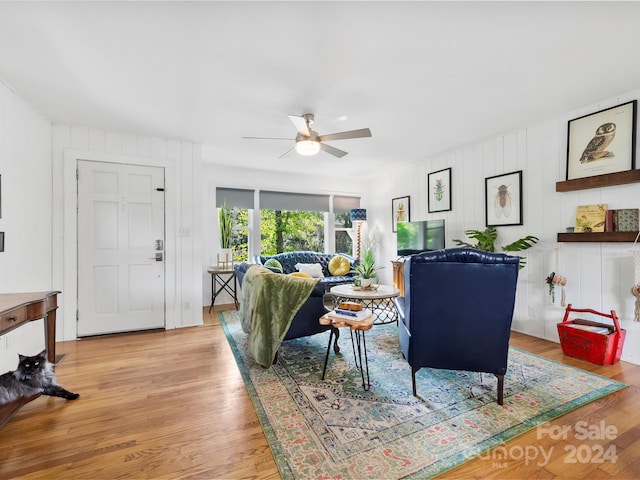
333,429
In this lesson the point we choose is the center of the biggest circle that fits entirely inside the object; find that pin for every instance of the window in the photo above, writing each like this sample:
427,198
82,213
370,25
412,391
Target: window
287,222
342,222
240,234
240,202
343,233
290,231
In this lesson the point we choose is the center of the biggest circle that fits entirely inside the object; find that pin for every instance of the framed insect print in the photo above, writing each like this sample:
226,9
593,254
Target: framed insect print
503,199
400,211
439,193
602,142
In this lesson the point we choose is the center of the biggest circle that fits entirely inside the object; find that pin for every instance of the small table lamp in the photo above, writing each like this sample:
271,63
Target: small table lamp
358,215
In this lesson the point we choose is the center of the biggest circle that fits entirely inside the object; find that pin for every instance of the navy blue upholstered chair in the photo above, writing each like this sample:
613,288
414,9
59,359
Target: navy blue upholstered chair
457,310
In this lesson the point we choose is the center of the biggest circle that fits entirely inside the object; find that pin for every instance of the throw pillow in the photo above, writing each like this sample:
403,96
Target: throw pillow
313,269
300,274
273,264
339,265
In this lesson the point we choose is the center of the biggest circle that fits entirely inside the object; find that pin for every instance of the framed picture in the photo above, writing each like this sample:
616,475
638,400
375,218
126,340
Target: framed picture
400,211
439,194
602,142
503,199
1,241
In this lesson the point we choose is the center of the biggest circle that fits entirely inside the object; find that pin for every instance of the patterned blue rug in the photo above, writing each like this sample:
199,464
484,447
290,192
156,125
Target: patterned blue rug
333,429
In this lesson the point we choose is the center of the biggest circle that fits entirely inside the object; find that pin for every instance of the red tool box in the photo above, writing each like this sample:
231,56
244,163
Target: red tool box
596,342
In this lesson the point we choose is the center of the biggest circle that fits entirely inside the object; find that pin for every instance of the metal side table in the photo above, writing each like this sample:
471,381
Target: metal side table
221,284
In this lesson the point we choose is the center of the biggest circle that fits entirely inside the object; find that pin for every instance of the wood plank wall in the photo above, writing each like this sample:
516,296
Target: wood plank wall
599,275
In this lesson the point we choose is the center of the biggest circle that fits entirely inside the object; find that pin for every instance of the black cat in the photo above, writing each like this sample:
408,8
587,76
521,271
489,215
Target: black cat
34,375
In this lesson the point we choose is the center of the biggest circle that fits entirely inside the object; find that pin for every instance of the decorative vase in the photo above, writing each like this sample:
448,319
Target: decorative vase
225,258
366,282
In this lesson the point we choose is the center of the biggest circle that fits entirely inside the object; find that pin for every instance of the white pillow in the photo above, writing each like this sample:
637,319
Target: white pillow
313,269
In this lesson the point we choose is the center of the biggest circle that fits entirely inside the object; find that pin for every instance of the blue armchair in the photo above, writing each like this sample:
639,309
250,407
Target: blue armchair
457,310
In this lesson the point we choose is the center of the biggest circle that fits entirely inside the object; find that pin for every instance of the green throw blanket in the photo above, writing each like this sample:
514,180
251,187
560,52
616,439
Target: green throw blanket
269,303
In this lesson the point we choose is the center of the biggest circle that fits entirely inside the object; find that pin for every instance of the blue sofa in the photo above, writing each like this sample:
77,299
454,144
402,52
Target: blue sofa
457,310
305,322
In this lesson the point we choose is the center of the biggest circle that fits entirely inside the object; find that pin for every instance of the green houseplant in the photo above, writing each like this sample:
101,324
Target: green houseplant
485,240
366,269
226,224
225,220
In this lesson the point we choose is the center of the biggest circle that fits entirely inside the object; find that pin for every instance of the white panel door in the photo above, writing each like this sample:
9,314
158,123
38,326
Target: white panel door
120,248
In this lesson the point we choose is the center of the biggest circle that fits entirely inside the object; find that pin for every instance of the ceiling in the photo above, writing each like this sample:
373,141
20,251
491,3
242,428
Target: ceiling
425,77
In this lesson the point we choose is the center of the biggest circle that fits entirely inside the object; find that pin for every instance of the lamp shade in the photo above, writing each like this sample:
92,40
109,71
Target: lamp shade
358,214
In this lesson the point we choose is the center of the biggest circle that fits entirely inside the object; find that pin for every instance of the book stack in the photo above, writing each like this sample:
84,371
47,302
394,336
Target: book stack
350,311
622,220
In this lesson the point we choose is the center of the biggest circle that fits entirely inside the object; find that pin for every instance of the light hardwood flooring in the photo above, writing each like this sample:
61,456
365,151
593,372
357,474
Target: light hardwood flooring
172,404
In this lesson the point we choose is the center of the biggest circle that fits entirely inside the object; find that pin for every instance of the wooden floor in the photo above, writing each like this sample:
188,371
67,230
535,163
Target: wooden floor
172,404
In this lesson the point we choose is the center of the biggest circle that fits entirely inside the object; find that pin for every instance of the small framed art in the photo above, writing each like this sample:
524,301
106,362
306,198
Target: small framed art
503,199
400,211
602,142
439,195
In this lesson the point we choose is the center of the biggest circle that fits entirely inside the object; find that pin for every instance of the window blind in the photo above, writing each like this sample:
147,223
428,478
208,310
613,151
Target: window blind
342,204
234,197
294,201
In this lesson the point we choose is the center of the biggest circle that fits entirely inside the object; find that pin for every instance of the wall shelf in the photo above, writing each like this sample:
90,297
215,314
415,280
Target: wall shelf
598,237
606,180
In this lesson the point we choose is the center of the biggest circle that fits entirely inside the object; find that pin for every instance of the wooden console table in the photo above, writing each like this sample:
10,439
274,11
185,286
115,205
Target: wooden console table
398,275
17,309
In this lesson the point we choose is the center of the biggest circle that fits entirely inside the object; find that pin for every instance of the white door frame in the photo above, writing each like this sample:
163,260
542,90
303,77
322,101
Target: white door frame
70,233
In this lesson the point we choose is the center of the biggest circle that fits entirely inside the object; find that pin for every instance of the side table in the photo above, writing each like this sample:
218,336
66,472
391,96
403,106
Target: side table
359,344
220,284
378,299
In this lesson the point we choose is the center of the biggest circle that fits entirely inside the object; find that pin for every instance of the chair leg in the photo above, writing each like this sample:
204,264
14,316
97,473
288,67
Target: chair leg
413,380
336,347
500,389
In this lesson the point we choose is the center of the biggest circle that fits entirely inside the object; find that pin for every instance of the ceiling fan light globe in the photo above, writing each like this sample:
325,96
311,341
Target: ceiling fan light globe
307,147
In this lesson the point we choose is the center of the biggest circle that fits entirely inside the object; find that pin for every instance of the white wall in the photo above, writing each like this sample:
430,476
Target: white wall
599,275
38,195
181,161
25,169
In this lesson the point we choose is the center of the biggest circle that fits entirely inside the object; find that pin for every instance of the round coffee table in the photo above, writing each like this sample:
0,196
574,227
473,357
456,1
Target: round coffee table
379,300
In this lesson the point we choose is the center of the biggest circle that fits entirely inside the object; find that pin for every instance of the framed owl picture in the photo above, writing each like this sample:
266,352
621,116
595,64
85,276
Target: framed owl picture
602,142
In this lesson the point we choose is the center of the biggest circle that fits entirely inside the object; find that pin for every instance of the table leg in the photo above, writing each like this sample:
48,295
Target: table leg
50,335
224,286
326,357
361,344
213,289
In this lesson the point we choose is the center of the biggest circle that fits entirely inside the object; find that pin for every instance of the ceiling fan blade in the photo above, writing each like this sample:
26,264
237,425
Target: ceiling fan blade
269,138
363,132
336,152
301,125
287,153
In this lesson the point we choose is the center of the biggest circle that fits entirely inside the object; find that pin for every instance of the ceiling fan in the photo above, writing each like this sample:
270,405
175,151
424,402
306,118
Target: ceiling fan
308,142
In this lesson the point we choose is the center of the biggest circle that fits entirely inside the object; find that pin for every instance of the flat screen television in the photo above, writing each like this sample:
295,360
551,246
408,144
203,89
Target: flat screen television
418,237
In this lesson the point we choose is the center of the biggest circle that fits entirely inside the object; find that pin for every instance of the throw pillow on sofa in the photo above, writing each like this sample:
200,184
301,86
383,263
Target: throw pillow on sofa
274,264
313,269
300,274
339,266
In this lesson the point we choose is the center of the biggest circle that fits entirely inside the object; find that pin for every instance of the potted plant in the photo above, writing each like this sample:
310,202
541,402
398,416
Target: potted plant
366,269
225,221
486,241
